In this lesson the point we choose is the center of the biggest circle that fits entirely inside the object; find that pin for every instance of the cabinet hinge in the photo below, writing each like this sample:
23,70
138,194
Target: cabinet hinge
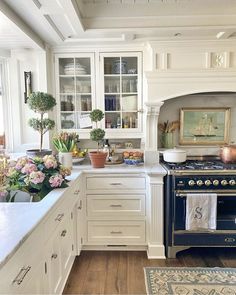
45,267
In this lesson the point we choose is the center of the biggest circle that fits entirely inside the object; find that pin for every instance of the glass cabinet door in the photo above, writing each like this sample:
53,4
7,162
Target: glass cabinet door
75,91
121,91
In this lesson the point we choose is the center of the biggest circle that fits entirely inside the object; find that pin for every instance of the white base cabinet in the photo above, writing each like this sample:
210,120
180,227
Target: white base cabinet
115,210
43,262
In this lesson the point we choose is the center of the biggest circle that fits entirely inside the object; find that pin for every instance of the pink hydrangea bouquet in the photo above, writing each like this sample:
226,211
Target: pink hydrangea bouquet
37,176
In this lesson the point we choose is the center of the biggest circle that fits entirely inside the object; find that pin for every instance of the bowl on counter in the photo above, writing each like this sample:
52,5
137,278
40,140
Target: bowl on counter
133,161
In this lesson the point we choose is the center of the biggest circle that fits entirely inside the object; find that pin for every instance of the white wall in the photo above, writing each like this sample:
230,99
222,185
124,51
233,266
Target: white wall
25,137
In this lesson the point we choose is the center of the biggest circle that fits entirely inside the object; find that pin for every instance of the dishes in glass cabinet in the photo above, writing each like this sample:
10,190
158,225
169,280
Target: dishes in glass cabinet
119,67
77,69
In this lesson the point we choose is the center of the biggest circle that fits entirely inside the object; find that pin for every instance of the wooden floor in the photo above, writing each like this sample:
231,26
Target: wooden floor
114,272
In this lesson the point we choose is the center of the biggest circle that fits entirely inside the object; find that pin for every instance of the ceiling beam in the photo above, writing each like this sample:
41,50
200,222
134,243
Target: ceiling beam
73,13
21,24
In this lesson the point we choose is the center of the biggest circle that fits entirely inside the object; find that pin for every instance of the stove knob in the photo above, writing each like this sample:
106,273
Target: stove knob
232,182
199,182
207,182
224,182
191,182
216,182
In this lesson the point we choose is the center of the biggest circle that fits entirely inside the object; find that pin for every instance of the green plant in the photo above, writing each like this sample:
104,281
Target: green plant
41,103
97,134
65,142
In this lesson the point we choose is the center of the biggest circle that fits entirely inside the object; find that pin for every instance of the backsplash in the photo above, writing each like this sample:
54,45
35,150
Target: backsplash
171,109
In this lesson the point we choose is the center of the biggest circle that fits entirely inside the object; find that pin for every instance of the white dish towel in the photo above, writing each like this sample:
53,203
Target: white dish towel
201,211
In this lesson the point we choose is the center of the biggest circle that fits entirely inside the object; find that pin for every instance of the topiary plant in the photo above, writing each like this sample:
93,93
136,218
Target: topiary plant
41,103
97,134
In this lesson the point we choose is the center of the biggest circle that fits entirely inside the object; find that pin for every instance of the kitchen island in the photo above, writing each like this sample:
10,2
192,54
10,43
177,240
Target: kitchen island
27,226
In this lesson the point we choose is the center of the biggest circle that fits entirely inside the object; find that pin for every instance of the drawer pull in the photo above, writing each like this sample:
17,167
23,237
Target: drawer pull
116,232
80,205
76,192
115,183
116,205
59,217
63,233
54,256
21,275
229,240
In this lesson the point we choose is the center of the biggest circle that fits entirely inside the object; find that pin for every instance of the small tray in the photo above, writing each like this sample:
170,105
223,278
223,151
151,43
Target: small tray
77,160
114,163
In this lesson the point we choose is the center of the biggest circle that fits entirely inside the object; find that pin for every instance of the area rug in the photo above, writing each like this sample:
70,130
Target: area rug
190,281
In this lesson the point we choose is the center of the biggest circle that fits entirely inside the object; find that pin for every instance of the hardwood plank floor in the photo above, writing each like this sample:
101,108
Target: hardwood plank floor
118,272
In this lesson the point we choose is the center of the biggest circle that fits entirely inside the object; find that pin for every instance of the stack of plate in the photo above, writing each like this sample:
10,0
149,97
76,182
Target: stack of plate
77,69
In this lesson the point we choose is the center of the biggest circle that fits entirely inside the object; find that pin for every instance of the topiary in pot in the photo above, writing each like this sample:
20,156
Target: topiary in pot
97,158
41,103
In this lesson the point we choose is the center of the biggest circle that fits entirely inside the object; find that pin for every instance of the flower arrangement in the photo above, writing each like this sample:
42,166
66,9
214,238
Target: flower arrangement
65,142
37,176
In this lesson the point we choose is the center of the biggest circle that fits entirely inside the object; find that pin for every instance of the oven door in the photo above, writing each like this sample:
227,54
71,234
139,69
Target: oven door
226,211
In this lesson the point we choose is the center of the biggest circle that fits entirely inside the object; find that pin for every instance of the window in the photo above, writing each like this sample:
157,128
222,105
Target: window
3,103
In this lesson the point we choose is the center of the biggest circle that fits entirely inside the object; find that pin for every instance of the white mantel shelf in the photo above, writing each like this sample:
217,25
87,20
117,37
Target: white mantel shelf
18,220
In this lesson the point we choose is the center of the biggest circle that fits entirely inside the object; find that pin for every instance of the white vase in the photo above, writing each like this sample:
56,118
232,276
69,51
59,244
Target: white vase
65,159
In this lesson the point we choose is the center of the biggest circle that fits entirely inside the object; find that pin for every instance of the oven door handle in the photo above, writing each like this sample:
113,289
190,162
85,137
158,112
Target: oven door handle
183,195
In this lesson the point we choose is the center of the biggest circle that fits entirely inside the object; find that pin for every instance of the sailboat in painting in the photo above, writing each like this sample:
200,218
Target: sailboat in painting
205,127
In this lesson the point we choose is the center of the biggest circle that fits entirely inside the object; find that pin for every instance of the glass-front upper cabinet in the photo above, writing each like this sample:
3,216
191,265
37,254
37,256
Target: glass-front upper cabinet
121,91
75,90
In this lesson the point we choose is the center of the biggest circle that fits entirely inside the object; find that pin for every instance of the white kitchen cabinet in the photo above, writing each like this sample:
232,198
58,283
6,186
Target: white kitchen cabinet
24,273
116,209
117,85
121,82
75,90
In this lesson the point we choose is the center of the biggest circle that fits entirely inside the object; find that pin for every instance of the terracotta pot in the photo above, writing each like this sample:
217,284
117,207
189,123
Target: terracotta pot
98,159
228,154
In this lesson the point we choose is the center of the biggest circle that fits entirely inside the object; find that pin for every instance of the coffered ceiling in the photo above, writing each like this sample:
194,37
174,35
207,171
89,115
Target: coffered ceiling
61,22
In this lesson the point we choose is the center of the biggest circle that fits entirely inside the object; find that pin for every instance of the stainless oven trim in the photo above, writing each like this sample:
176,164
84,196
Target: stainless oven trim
220,193
201,172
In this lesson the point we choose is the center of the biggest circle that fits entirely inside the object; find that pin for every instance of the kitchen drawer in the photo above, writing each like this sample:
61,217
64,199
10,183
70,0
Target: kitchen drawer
116,232
205,239
115,183
115,205
56,217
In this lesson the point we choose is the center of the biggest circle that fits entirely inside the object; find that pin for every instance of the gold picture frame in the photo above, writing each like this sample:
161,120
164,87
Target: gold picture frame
204,126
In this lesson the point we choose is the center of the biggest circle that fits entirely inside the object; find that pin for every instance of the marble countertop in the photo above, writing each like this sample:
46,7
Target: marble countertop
18,220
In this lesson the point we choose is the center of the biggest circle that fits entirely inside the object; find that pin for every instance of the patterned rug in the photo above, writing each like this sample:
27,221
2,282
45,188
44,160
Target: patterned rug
190,281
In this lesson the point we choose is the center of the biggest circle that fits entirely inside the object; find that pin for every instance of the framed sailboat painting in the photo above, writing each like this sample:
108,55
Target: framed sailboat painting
204,126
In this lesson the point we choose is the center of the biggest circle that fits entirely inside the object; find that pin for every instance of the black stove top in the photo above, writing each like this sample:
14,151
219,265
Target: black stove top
193,165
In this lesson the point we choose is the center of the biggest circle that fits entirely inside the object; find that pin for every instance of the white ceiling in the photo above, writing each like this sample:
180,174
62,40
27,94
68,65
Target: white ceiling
60,22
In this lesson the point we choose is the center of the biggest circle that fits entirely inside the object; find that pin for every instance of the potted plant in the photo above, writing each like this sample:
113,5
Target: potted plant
41,103
65,143
98,157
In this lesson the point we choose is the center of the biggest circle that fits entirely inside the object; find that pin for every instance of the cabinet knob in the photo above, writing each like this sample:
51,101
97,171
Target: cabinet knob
115,183
116,205
21,275
54,256
63,233
80,205
76,192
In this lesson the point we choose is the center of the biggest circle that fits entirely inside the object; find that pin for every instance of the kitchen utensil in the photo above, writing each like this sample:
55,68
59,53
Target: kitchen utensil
228,154
174,155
